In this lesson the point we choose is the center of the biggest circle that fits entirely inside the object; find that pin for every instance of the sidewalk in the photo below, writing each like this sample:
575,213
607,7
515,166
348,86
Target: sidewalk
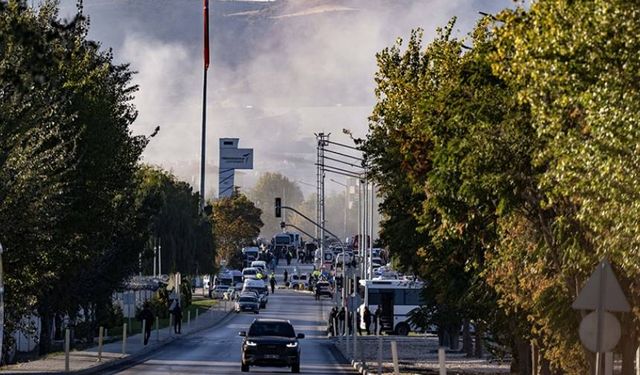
86,361
417,355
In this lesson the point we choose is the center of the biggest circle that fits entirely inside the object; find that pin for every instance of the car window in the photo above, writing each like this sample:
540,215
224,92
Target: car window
248,299
281,329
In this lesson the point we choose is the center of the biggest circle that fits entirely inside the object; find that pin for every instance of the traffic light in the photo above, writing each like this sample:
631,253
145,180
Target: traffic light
278,207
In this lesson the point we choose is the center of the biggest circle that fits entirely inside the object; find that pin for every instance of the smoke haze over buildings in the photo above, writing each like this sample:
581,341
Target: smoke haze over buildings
280,72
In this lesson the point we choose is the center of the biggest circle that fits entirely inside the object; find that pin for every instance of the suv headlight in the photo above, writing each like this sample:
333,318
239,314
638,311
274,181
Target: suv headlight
251,343
292,345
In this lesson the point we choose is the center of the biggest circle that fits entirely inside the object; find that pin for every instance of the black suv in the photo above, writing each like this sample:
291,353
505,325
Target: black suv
271,342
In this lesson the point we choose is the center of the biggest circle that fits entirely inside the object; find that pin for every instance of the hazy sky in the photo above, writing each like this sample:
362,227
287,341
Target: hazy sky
281,71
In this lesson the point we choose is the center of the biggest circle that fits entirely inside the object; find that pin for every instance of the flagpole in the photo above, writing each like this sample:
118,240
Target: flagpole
204,140
204,105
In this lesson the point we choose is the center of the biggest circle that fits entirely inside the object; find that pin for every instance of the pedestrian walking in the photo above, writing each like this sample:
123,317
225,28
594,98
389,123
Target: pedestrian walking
331,327
288,256
341,314
272,281
366,316
286,276
377,314
317,292
146,317
177,318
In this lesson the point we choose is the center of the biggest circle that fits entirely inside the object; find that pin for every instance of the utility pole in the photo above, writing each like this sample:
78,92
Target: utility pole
323,140
373,210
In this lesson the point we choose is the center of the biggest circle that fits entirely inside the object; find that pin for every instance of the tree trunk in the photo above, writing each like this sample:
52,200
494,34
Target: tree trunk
443,337
522,356
454,335
44,346
545,367
478,350
628,342
467,342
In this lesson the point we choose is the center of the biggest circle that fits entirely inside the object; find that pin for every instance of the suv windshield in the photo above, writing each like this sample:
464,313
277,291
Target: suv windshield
282,329
248,299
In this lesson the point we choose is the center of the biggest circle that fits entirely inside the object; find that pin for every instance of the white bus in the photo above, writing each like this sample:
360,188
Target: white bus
396,298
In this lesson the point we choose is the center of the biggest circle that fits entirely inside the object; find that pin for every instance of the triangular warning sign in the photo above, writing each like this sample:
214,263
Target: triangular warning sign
602,285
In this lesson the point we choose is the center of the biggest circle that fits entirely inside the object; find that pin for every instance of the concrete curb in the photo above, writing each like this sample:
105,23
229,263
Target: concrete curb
358,366
129,360
133,358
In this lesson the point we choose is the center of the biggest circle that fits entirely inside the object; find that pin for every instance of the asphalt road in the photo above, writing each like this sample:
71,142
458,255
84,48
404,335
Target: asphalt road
217,350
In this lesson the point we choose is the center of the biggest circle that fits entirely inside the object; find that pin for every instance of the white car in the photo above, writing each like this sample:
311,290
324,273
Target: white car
348,257
259,287
299,282
230,294
261,264
250,273
218,291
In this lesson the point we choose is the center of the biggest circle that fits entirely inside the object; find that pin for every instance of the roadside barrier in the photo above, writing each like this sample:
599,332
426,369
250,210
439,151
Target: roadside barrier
394,355
442,361
100,342
124,339
66,350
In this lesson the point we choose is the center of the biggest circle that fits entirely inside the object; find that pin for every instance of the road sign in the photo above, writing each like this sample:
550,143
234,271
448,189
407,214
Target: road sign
612,296
610,332
600,330
239,158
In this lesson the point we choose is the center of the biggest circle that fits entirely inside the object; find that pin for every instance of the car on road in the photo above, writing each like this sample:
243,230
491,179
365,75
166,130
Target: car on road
247,302
299,282
348,258
261,264
325,288
259,287
271,342
250,273
230,294
218,291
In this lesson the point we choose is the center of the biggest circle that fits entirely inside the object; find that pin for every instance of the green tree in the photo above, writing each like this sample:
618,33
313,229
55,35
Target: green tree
236,223
185,236
68,162
444,147
576,64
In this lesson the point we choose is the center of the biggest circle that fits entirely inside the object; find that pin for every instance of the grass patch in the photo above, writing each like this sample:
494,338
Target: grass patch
204,303
134,326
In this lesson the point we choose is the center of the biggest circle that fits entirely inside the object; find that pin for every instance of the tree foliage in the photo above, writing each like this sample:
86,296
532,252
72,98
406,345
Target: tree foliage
70,222
184,235
510,169
236,223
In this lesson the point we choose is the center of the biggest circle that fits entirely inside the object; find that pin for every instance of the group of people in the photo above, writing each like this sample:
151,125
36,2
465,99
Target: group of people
337,319
147,317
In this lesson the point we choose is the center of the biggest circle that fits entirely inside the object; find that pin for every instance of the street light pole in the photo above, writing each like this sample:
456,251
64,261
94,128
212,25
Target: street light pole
373,197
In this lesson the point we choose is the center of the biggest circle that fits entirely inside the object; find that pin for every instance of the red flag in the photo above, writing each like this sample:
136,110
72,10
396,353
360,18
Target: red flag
206,34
